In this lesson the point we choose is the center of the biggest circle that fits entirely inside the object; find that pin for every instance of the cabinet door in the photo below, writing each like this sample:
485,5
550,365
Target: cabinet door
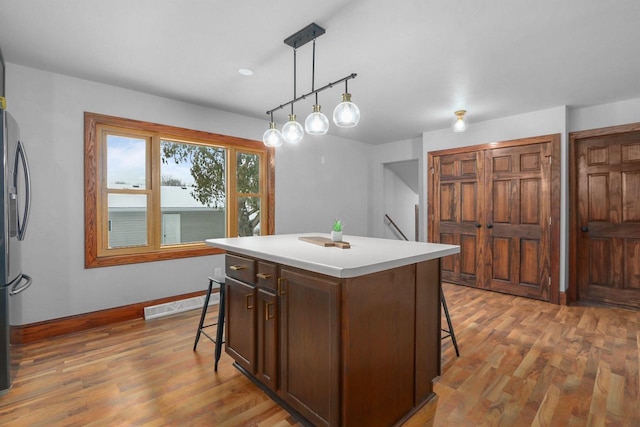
240,323
310,345
268,339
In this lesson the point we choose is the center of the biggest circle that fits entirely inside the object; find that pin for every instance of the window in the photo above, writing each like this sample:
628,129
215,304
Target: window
155,192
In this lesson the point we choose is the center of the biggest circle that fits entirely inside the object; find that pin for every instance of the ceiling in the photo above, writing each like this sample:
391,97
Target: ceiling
417,60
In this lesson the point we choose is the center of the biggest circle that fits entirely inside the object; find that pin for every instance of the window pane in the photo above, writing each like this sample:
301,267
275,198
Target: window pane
193,192
127,220
248,216
248,173
126,162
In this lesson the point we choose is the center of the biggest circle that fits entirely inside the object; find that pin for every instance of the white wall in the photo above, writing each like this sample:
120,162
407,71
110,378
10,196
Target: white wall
599,116
398,151
322,180
400,201
49,108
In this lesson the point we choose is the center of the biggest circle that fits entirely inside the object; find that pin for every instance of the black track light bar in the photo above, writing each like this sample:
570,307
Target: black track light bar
300,98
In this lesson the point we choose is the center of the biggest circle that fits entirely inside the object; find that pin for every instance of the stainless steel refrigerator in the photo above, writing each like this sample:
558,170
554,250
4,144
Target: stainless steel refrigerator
14,215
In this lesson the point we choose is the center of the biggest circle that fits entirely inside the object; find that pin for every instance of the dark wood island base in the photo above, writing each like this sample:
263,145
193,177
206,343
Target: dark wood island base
336,351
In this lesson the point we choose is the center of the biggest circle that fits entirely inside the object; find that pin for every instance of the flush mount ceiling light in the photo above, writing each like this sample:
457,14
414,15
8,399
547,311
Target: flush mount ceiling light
346,114
460,122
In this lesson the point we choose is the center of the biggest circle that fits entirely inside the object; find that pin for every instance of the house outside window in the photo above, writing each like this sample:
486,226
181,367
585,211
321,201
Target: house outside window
155,192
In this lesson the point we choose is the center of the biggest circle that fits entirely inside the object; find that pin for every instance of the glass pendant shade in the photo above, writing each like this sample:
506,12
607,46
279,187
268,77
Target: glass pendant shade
272,136
292,131
316,122
460,122
346,114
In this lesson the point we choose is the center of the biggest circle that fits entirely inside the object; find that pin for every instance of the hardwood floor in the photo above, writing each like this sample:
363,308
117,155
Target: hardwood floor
523,362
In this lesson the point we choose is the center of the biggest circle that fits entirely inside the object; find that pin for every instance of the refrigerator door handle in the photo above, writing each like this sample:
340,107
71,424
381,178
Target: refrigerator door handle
20,153
15,290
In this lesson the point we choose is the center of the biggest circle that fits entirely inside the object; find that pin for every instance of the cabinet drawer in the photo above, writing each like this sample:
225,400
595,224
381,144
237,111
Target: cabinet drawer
267,275
240,268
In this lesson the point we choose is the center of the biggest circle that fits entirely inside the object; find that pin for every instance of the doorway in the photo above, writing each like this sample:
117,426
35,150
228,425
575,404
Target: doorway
401,199
170,229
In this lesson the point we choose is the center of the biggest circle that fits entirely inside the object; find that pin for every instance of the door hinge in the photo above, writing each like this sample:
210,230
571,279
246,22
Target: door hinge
549,220
432,170
549,282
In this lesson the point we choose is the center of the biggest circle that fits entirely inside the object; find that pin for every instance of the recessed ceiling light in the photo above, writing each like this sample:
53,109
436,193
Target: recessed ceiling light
245,72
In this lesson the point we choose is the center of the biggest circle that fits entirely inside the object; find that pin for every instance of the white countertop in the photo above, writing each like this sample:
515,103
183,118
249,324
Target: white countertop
366,255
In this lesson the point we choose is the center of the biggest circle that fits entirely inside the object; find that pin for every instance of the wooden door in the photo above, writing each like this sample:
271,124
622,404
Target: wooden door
501,203
457,200
607,226
518,204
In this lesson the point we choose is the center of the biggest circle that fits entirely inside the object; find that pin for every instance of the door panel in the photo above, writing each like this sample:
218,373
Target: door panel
458,214
608,219
518,216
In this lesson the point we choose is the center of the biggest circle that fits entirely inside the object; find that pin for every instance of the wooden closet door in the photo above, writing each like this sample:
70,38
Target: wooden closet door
518,215
608,219
458,214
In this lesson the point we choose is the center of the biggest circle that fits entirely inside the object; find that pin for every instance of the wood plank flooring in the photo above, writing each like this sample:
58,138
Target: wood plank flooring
523,362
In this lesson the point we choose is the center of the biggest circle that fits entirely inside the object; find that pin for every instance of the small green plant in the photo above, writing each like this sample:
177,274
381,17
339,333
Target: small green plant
337,225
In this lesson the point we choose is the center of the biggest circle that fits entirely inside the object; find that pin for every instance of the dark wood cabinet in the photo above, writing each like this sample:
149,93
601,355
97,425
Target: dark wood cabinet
309,346
240,323
267,334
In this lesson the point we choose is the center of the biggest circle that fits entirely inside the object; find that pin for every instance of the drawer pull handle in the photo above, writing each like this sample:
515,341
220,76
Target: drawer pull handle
237,267
249,301
266,311
263,276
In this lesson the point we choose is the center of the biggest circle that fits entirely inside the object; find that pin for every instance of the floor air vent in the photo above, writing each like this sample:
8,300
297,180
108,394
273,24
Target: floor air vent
175,307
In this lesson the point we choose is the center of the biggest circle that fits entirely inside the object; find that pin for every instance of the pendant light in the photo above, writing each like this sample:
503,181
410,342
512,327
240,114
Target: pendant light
460,122
272,136
346,114
316,122
292,130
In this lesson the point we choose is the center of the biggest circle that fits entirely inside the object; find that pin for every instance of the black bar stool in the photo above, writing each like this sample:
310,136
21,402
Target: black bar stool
449,331
220,323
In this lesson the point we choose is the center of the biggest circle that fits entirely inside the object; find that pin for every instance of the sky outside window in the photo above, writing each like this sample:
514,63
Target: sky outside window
126,165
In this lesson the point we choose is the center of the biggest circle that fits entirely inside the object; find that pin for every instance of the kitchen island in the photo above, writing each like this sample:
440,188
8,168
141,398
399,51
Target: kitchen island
339,337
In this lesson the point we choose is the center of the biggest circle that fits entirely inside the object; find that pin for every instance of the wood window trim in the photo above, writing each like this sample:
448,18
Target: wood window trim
92,172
